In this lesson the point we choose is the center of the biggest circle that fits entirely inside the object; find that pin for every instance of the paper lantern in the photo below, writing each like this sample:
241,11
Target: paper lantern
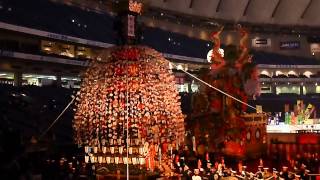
100,159
95,149
92,159
116,160
86,149
142,161
134,161
86,159
108,160
120,150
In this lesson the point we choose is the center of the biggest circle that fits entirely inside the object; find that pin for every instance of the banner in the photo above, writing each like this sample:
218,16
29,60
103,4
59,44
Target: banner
308,138
315,47
179,80
261,42
287,45
194,145
300,106
131,25
310,108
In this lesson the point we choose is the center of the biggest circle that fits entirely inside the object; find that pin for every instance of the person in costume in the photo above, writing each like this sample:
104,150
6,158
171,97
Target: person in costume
199,164
302,172
284,173
207,161
220,169
150,162
275,174
196,175
259,173
176,163
297,177
212,172
240,167
266,173
186,173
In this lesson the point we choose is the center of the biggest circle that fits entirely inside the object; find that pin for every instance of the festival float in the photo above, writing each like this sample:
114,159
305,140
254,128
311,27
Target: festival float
128,118
128,111
219,117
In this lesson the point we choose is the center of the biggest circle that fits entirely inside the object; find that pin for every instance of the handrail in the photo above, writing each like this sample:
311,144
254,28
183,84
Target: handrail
313,174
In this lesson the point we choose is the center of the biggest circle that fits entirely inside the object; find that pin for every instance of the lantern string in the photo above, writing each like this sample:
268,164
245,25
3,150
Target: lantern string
127,119
56,120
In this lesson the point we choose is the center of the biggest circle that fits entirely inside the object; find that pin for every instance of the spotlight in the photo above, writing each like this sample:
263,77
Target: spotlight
179,67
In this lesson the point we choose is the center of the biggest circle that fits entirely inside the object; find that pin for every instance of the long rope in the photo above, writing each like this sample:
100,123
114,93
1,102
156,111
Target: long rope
219,90
55,121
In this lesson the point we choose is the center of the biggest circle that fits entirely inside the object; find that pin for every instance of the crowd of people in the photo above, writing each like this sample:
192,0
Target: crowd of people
43,165
296,167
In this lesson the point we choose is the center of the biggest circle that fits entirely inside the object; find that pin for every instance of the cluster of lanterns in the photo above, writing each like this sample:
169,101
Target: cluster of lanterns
128,101
115,155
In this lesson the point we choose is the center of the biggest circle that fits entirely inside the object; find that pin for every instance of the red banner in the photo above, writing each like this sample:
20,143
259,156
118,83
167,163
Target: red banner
308,139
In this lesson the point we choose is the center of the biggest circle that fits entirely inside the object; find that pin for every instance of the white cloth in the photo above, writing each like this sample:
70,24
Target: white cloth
196,177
